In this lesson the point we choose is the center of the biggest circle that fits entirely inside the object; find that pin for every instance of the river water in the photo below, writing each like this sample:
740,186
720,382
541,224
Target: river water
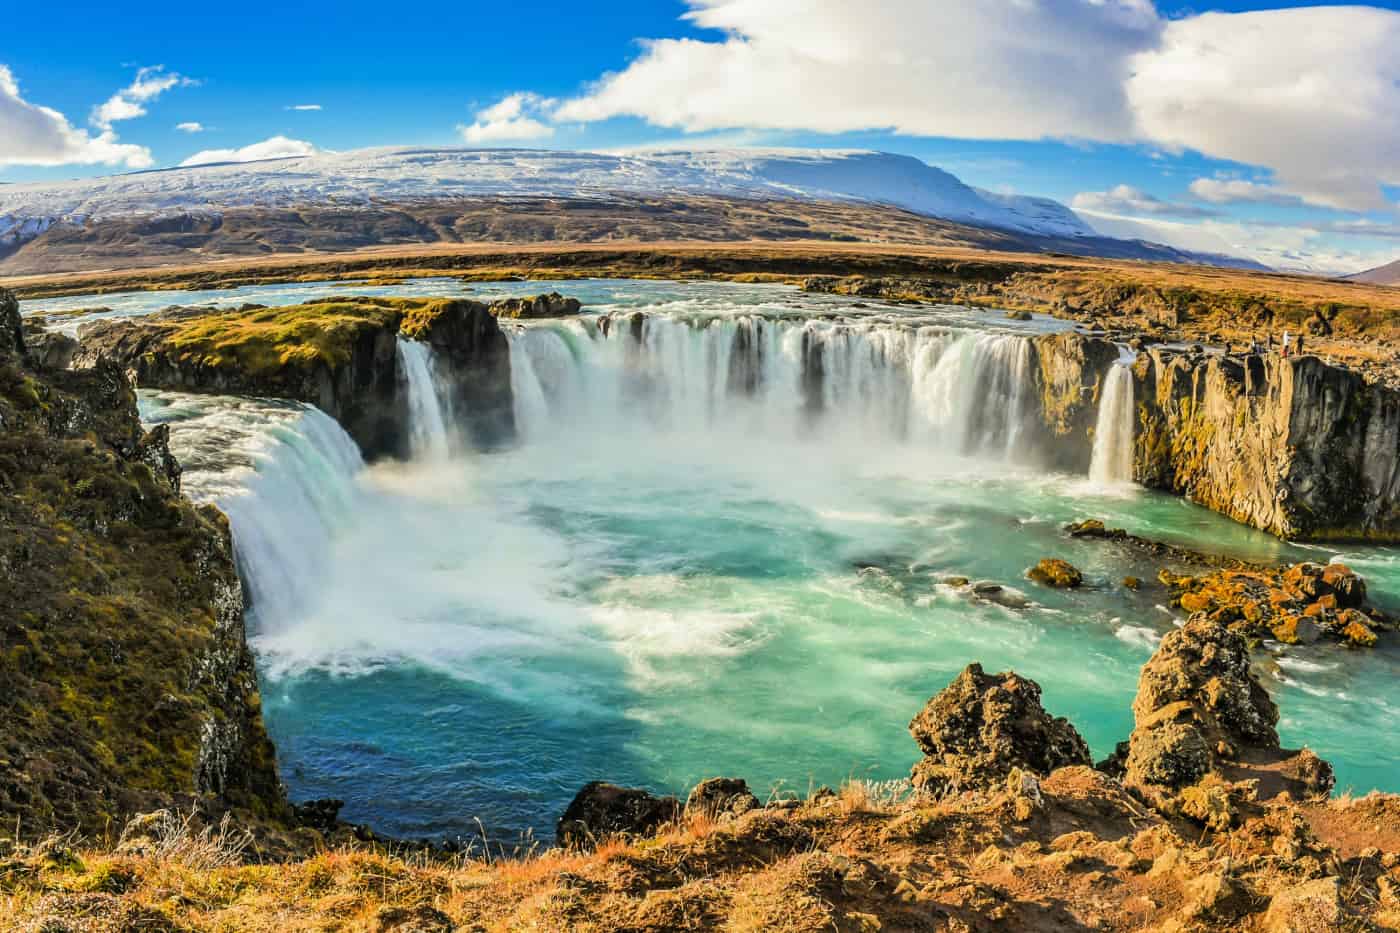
699,561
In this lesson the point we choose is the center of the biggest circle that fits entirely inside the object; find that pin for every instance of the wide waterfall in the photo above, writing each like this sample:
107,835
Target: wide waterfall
1112,463
958,391
429,415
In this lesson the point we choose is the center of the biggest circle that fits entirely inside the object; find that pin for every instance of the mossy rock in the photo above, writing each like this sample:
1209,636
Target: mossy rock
1056,574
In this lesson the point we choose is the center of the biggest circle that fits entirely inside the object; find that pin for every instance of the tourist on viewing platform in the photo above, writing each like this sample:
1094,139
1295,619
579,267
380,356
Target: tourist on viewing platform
1285,345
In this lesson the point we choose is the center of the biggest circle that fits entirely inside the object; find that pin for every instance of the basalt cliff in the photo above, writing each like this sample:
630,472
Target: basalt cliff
339,355
1293,446
125,681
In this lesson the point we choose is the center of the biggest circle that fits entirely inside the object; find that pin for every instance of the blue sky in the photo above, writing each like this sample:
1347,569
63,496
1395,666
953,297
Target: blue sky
417,74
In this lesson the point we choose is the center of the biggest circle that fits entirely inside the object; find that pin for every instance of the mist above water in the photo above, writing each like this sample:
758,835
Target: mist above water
718,548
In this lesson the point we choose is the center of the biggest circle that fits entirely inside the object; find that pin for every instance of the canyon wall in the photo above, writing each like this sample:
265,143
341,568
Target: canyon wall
1295,447
126,680
339,355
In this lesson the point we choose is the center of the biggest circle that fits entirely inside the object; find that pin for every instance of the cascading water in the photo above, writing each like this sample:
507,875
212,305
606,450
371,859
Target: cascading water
964,392
1112,462
429,417
284,474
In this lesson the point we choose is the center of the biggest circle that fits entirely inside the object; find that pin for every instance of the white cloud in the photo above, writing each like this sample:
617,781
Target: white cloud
1125,199
305,107
35,135
990,69
1238,190
1296,248
190,127
278,147
127,104
515,117
1312,94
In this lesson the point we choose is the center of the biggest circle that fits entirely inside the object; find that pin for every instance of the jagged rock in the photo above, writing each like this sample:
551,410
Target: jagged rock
319,814
719,797
537,306
11,326
1056,574
982,726
1199,711
602,810
47,349
1296,606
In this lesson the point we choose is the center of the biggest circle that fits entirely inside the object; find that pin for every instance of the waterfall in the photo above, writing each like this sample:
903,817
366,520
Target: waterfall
1112,463
428,416
964,392
283,473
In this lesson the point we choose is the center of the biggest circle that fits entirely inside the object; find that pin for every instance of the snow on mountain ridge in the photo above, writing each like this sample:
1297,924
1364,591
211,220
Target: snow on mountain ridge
408,174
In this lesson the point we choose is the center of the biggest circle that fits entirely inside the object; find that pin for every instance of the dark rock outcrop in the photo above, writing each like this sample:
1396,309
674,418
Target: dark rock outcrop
721,797
603,810
11,327
1071,374
474,359
339,355
1200,712
982,726
536,307
1295,447
127,682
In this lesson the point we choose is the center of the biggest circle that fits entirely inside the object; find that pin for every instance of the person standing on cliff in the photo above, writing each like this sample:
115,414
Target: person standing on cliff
1300,345
1285,345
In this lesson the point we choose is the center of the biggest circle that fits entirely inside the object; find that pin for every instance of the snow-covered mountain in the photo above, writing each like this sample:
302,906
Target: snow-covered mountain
399,174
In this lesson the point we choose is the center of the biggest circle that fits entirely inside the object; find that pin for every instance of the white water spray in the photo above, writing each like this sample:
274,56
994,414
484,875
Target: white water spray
963,392
428,416
1112,462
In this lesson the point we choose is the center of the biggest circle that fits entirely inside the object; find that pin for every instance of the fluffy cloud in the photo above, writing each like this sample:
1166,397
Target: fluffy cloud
278,147
190,127
1125,199
1237,191
35,135
129,102
1296,248
515,117
989,69
1311,93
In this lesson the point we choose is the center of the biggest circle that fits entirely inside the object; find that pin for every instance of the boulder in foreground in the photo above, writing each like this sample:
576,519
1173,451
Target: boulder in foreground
982,726
601,811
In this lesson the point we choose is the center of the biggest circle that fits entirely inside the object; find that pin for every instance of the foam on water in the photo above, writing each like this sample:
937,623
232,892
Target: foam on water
718,548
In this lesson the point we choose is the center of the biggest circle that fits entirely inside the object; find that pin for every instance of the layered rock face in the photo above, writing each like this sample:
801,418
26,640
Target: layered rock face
340,356
126,679
1295,447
